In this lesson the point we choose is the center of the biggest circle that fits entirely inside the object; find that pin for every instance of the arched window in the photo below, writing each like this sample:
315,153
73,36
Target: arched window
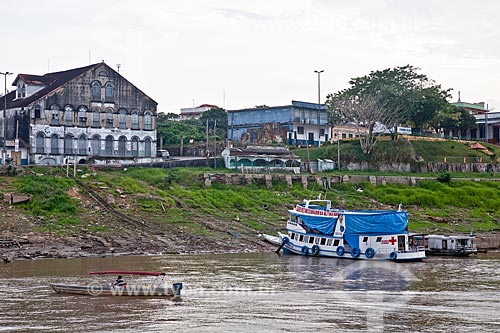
68,115
108,149
135,146
147,121
82,115
109,118
147,147
96,91
55,114
122,118
108,92
54,144
40,143
96,145
68,145
96,117
135,120
122,142
82,145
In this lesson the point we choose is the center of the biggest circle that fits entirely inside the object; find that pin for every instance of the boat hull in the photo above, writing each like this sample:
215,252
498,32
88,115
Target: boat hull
98,290
397,256
452,253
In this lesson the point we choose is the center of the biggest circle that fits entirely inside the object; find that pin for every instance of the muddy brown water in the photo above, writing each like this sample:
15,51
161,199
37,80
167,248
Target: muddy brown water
260,292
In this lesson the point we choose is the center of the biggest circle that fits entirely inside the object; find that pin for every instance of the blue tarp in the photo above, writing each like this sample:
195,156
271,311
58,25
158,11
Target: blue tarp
323,224
376,222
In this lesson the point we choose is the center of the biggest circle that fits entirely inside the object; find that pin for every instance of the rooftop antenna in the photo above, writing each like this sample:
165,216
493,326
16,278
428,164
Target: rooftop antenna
90,58
118,66
48,65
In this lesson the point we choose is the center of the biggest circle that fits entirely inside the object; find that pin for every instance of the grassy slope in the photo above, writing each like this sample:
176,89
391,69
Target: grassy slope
177,200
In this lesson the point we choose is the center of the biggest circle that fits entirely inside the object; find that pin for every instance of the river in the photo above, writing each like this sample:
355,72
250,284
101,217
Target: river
260,292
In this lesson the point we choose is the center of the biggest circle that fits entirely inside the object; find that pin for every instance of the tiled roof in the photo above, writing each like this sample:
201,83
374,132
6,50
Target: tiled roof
51,80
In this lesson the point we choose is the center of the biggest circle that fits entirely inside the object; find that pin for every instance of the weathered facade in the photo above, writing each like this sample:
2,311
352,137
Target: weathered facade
301,123
87,114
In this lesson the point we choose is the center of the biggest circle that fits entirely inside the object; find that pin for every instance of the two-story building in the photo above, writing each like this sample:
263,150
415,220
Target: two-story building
90,114
300,123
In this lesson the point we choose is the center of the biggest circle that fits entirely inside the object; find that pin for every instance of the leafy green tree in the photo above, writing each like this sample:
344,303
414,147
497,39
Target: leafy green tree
416,97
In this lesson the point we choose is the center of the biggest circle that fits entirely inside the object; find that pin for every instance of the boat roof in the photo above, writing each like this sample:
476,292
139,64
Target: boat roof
116,272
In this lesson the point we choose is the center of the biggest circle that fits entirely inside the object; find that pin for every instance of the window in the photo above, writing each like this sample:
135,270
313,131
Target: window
96,117
54,144
96,91
323,241
68,145
39,143
21,91
311,240
82,145
301,238
329,242
135,146
55,114
292,236
135,120
108,92
38,110
365,239
68,115
300,130
122,117
108,149
147,147
322,132
379,239
109,118
317,240
82,116
147,121
96,145
336,242
122,141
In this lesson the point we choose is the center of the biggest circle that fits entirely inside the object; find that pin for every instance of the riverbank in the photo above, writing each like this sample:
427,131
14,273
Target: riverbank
35,245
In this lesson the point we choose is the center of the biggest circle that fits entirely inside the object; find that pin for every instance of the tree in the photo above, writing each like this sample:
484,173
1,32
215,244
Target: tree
212,115
366,114
416,97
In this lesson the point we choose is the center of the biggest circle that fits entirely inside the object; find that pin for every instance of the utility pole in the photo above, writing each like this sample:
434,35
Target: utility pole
319,105
215,144
4,151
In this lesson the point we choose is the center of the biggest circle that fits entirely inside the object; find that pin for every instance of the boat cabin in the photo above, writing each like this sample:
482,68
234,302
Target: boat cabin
450,244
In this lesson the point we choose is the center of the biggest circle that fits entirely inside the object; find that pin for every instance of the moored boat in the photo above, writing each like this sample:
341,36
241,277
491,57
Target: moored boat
450,245
270,239
156,288
315,228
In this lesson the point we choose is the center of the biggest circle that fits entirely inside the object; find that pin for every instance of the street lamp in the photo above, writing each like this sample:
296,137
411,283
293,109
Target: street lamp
319,104
4,151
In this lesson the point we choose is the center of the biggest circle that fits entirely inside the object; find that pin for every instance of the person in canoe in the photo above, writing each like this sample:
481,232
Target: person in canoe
119,283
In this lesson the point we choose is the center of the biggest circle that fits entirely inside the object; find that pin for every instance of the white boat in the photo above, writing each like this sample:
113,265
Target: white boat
270,239
450,245
315,228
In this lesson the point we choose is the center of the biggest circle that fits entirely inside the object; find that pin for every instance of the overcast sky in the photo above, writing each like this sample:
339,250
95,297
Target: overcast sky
238,54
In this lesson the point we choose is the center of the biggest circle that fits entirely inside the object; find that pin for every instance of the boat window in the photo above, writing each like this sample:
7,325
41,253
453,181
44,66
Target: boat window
301,238
336,242
311,240
379,239
317,240
342,228
323,241
365,239
293,235
329,242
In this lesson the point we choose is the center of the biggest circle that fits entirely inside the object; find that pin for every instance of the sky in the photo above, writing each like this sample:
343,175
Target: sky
238,54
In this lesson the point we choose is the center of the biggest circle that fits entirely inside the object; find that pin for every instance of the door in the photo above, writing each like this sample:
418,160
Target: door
310,139
444,244
401,243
